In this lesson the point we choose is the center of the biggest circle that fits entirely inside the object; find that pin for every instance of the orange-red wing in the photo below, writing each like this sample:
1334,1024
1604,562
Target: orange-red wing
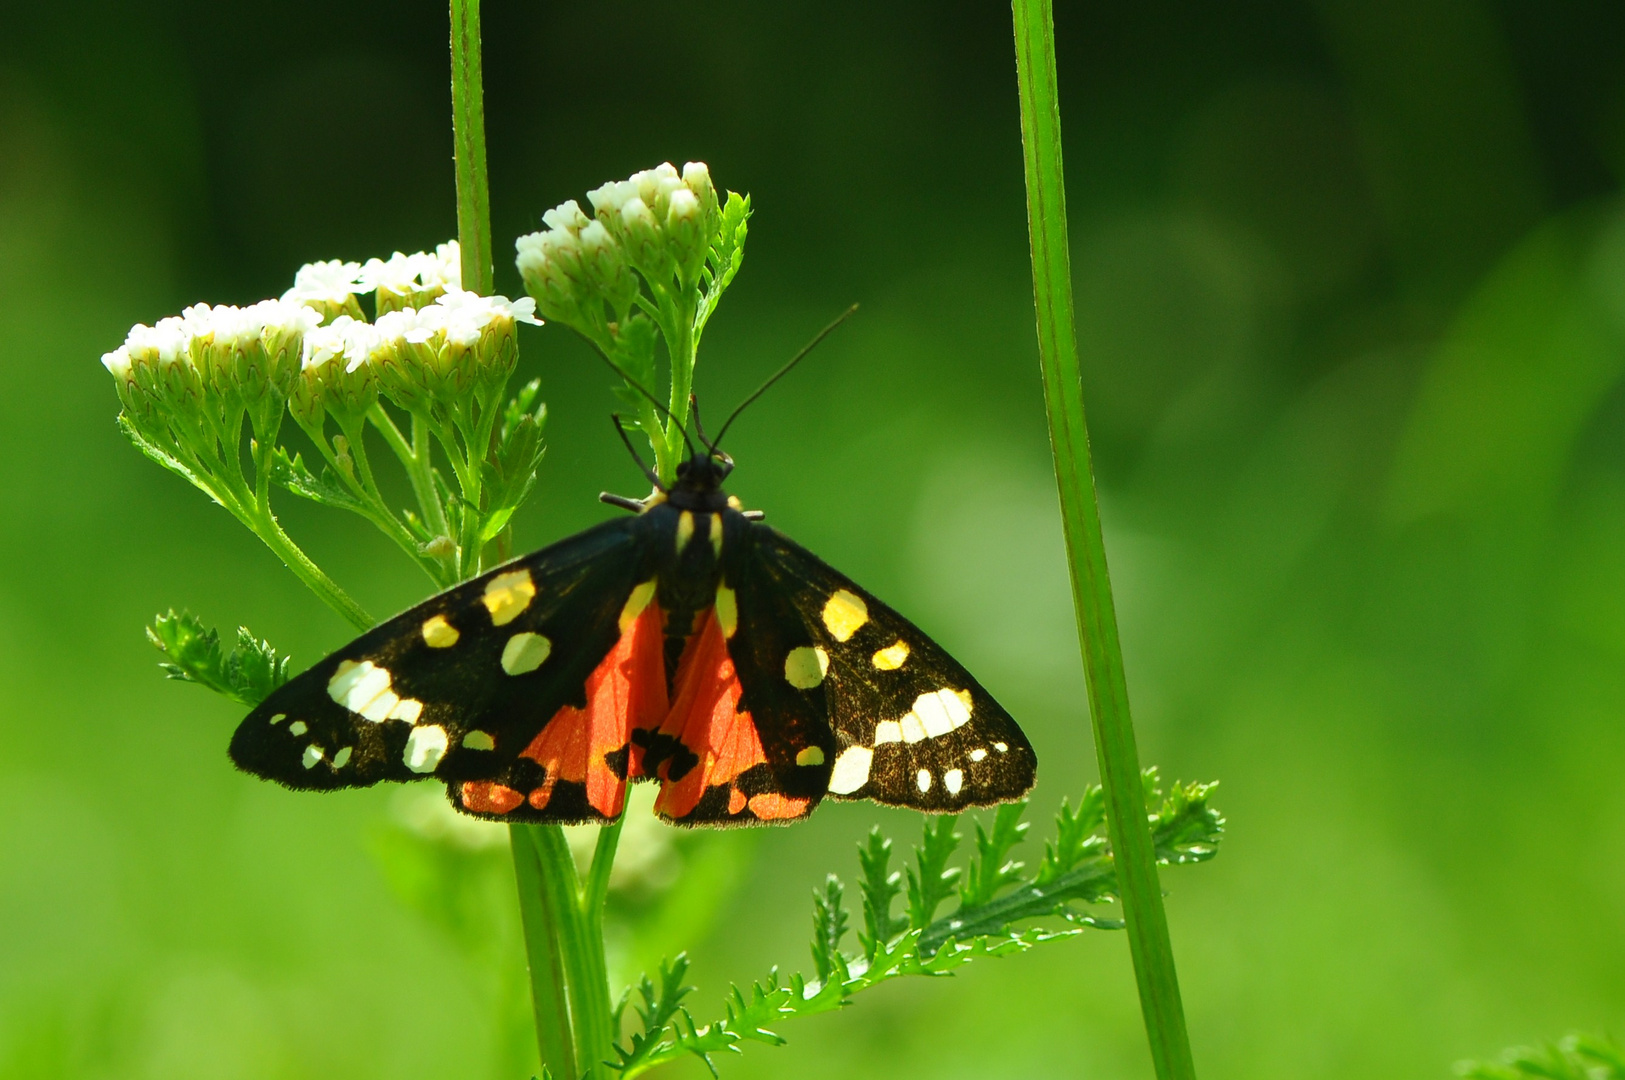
715,771
591,748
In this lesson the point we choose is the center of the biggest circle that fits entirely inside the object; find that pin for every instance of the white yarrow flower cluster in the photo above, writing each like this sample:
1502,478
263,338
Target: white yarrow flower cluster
413,280
313,347
323,284
658,222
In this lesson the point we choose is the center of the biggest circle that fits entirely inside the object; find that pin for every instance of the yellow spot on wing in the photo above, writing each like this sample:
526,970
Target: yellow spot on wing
685,529
892,656
439,634
805,666
811,755
636,603
298,728
844,614
479,740
727,611
716,534
342,758
525,653
507,595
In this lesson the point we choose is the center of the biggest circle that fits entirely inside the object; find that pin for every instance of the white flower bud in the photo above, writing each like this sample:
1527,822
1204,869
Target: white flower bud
331,282
566,217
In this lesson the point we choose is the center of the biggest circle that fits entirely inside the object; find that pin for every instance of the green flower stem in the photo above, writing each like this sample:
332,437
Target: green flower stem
265,526
549,998
580,954
468,125
1147,924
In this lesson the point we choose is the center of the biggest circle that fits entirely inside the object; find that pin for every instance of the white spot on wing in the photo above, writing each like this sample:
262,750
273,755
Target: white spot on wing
342,758
978,754
408,709
941,711
525,653
313,754
508,595
913,730
1000,747
363,688
425,747
805,667
922,780
279,717
888,731
953,780
851,770
297,728
844,614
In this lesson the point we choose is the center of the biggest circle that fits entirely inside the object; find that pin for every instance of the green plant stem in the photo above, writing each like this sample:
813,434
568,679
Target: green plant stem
580,954
1147,923
266,528
468,125
549,998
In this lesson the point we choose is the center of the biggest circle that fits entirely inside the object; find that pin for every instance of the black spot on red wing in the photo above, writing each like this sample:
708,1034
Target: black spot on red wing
617,760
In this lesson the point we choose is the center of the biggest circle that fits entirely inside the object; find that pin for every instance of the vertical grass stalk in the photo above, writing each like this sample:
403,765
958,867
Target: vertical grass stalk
1080,513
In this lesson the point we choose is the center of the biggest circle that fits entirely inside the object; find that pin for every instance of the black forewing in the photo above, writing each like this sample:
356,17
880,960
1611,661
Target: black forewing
300,734
929,764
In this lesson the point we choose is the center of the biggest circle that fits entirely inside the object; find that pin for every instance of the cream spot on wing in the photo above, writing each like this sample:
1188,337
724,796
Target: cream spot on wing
913,730
524,653
1000,747
851,770
363,688
507,595
805,667
408,709
978,754
313,754
342,758
941,711
727,611
439,634
425,747
734,503
716,534
888,731
298,728
811,755
892,656
279,717
685,529
479,740
953,780
844,614
636,603
922,780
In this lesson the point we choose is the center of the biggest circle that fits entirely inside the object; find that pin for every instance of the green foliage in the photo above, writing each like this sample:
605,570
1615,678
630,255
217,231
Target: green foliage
1077,871
247,674
1576,1057
727,254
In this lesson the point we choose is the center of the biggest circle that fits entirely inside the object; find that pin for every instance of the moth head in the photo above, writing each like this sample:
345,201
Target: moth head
706,470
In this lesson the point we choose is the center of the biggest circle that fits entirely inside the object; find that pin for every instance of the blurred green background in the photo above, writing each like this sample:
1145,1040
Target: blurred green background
1351,293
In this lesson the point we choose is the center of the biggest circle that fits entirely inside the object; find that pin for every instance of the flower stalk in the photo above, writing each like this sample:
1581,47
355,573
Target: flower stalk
1131,840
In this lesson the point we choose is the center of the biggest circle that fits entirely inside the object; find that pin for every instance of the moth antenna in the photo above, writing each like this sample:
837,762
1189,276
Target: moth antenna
630,449
699,431
656,402
783,371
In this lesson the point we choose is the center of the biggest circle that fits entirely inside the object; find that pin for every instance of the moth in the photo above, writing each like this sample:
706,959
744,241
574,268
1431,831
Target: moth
689,644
